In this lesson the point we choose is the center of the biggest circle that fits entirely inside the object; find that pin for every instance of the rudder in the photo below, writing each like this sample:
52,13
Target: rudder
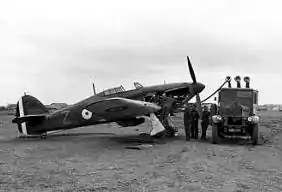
29,106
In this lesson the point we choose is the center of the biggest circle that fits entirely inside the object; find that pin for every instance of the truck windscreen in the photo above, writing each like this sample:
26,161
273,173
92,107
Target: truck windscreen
243,97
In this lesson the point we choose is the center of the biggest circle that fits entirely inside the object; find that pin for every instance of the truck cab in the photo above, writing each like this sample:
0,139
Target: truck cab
236,114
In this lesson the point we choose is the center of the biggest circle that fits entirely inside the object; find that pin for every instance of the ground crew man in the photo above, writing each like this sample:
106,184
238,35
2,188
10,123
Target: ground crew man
187,122
194,122
166,104
205,122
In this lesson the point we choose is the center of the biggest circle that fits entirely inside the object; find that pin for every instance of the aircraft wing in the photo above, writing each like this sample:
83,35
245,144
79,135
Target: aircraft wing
113,109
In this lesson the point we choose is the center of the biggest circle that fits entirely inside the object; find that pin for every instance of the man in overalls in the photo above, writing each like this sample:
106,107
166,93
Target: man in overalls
194,122
205,122
187,122
166,104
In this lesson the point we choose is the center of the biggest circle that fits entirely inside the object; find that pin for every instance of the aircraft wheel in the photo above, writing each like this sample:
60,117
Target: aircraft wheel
160,135
215,137
170,132
43,136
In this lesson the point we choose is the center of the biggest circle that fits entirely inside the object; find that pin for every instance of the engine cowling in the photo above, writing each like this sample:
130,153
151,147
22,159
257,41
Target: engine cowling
131,122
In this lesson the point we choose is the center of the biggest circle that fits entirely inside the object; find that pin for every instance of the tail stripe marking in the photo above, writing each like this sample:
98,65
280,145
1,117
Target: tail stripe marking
21,109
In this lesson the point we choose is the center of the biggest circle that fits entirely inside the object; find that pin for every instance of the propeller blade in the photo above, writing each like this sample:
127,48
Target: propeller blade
191,89
190,96
192,73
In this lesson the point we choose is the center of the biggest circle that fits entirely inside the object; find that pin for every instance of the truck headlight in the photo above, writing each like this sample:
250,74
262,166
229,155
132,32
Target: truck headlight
216,118
253,119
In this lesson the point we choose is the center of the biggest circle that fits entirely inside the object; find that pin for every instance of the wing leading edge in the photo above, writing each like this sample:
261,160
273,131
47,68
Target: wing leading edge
117,108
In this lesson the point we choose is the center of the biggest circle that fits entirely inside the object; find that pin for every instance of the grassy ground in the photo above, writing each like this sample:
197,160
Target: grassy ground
88,160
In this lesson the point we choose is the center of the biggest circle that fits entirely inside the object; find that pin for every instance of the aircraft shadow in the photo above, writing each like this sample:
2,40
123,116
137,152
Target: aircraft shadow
143,139
57,137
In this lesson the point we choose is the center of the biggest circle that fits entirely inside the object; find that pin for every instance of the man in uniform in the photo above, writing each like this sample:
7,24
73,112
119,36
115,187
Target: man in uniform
166,104
194,122
187,122
205,122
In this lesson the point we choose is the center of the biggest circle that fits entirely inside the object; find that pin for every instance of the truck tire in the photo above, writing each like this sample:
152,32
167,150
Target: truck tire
255,134
215,138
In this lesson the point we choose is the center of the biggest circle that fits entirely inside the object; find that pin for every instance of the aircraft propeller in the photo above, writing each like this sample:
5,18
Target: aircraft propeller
192,91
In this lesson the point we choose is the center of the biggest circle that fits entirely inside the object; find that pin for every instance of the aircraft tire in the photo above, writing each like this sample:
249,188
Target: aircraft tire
160,135
43,136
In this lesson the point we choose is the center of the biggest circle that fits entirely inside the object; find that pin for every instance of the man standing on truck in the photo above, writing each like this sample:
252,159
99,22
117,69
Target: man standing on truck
205,122
194,122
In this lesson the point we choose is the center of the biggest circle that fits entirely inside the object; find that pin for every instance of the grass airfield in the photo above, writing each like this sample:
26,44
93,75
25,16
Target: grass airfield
95,158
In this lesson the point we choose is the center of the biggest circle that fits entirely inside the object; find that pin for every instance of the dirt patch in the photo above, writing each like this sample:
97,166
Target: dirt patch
87,160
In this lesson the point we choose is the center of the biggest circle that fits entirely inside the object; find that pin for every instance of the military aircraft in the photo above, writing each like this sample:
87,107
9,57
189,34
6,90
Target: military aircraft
34,119
184,91
122,107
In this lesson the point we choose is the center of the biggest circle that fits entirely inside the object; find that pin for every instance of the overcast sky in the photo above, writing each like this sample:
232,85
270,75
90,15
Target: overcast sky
55,49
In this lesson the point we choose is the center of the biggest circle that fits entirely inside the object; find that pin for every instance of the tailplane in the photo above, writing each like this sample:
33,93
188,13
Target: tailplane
30,112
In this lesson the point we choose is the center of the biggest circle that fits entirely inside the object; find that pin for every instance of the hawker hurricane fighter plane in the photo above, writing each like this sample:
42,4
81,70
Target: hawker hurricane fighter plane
34,119
122,107
184,91
170,96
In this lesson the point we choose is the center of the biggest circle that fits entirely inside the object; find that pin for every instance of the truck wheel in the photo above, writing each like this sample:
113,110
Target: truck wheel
255,135
215,138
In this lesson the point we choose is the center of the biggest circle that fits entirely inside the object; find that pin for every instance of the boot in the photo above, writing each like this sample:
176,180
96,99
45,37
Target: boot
192,134
203,137
196,134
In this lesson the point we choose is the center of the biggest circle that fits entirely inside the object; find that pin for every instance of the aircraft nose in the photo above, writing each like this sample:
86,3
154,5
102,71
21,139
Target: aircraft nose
199,87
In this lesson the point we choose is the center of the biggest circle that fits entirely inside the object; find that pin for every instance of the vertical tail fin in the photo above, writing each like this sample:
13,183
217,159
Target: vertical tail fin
29,112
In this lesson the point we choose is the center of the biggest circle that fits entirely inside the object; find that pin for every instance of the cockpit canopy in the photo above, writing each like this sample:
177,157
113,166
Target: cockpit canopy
111,91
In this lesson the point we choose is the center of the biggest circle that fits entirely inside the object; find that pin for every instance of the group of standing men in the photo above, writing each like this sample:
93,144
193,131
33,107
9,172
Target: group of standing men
191,119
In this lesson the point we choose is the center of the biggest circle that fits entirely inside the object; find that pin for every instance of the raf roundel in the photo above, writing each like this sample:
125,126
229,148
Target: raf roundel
86,114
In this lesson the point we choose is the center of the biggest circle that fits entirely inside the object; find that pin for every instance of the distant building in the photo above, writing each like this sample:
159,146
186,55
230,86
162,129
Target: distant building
262,108
11,108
